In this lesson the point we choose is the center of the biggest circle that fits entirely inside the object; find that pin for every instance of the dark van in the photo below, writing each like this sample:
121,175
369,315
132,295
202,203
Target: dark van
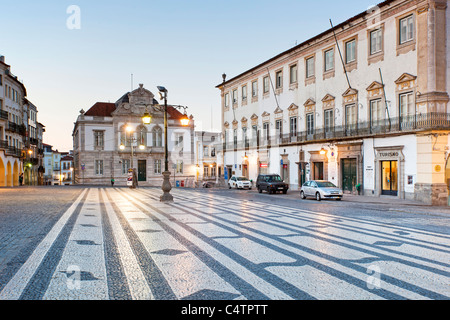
271,183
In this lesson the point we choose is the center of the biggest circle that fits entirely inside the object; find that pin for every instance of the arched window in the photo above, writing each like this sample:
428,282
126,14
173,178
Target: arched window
157,137
123,138
142,136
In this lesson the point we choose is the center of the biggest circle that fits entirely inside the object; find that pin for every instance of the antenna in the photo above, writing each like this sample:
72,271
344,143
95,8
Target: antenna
385,101
131,82
342,60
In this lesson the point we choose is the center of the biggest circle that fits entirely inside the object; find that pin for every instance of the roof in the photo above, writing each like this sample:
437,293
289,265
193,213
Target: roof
67,158
101,109
105,109
341,25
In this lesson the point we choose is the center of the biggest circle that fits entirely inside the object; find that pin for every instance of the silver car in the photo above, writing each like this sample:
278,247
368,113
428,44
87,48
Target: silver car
321,189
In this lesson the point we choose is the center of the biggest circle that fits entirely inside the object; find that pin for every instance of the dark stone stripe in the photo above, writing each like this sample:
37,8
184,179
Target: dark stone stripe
238,283
117,281
16,263
158,284
363,285
38,284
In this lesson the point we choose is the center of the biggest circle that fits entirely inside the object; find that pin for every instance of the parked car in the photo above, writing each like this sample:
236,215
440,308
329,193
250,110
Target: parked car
239,183
271,183
321,189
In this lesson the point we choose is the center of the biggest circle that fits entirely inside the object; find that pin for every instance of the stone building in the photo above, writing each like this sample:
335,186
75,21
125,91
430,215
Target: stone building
20,134
111,138
363,104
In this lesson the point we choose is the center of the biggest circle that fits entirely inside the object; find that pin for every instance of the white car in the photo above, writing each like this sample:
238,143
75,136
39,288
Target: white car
321,189
239,183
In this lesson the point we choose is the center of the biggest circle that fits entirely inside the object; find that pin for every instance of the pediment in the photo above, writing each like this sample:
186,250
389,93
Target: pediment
141,96
405,77
226,124
328,97
265,114
350,92
235,122
309,102
254,117
278,110
244,119
374,85
293,107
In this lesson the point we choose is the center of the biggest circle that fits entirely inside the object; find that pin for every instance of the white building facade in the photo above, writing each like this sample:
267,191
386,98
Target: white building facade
377,119
111,138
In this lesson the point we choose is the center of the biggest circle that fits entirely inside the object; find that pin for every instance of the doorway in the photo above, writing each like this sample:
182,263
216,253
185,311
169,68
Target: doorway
317,171
389,178
142,170
349,174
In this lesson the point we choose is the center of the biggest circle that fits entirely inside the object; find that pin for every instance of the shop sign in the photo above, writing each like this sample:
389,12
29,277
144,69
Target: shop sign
390,154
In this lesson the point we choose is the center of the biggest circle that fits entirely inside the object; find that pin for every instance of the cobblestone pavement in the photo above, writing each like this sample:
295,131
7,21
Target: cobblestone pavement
117,243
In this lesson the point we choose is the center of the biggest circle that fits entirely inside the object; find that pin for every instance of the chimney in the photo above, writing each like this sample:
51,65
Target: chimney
2,59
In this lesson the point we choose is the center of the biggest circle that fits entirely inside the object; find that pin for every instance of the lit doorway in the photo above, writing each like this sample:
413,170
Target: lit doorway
389,178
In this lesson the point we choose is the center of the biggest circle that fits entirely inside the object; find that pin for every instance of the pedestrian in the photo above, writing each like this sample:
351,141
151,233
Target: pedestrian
112,182
21,179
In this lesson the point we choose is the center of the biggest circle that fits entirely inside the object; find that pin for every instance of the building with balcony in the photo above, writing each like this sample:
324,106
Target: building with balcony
12,128
363,104
111,138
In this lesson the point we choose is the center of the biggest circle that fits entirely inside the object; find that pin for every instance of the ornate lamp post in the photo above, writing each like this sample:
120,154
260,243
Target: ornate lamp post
146,119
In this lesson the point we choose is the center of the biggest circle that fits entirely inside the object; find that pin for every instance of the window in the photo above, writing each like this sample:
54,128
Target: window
407,107
99,139
329,60
142,136
310,123
376,113
350,116
157,137
310,67
293,126
235,138
350,51
126,164
406,29
375,41
244,93
266,84
266,131
1,80
279,128
227,100
205,151
245,137
254,88
157,166
279,79
179,143
255,134
179,166
213,151
328,120
235,97
205,171
123,137
293,74
99,167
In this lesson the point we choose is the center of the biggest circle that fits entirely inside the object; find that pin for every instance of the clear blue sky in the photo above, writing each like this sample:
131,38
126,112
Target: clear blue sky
184,45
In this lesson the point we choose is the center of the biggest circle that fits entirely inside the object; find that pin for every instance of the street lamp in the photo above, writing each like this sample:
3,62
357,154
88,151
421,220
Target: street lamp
132,140
146,119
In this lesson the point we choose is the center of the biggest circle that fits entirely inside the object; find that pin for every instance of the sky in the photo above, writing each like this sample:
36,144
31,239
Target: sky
69,60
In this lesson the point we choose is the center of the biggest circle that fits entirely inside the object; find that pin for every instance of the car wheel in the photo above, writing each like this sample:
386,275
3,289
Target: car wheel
338,199
284,191
259,190
318,198
229,186
302,195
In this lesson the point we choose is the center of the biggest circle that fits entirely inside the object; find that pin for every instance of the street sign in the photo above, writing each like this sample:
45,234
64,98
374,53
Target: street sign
130,178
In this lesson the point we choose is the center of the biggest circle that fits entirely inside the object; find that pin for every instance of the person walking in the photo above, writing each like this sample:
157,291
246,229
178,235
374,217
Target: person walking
112,182
21,179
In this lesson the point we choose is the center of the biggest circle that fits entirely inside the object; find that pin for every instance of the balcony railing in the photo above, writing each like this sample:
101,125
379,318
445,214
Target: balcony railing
405,124
3,115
